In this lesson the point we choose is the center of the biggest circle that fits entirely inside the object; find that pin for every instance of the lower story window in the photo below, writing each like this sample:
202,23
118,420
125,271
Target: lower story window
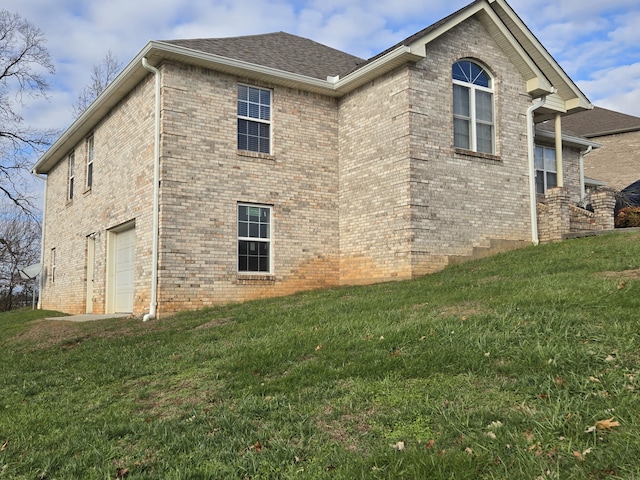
254,238
546,175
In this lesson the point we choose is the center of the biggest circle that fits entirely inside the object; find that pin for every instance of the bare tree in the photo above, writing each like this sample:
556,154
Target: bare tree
24,65
102,74
19,248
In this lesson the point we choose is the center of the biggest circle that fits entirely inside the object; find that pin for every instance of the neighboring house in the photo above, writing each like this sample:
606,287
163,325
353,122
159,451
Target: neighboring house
221,170
617,162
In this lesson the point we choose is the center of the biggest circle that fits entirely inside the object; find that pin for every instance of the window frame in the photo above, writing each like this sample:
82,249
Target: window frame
252,119
266,240
52,276
544,171
472,119
71,176
90,156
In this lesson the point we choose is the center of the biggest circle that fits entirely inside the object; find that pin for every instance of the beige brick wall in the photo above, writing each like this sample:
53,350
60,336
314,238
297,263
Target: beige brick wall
121,192
461,200
366,188
409,200
617,162
204,177
374,181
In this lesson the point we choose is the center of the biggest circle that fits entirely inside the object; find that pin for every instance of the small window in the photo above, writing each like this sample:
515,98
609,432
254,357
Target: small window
89,161
254,119
53,266
545,163
72,175
473,124
254,239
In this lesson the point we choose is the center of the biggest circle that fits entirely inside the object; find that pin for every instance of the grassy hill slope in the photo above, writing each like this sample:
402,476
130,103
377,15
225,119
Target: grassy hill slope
522,366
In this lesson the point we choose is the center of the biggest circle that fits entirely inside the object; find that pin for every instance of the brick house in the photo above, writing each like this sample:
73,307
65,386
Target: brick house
617,162
221,170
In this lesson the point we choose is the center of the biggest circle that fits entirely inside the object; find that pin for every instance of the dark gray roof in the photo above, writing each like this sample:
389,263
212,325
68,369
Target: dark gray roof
599,122
280,50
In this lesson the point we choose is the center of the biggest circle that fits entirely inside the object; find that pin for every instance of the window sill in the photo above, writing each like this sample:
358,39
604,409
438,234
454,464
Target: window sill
87,191
483,156
246,154
255,279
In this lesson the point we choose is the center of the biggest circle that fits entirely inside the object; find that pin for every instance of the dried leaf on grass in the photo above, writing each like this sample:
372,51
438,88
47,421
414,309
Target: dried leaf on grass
607,424
580,455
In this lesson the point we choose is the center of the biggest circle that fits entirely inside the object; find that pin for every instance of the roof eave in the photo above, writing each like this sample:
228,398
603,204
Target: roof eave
574,99
569,140
157,52
388,62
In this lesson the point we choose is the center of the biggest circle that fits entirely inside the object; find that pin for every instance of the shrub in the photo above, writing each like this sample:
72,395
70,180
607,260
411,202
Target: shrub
628,217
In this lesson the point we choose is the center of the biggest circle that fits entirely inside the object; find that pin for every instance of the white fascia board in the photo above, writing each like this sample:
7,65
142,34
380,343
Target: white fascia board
130,76
543,85
419,45
133,73
156,52
539,87
239,67
580,101
399,56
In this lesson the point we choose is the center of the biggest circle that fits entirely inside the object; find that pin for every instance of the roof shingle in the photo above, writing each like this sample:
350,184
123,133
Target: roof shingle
599,122
280,50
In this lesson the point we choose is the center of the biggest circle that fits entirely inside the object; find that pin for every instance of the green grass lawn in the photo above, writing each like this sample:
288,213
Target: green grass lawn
521,366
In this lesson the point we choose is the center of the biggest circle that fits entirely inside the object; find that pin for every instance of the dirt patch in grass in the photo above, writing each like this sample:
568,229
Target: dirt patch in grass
348,429
217,322
627,274
49,333
158,400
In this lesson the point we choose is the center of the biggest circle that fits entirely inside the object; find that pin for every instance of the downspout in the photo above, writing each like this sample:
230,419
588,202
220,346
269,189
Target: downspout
156,193
537,103
44,213
559,160
583,192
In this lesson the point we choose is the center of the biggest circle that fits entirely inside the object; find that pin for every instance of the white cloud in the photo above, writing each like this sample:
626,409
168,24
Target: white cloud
591,39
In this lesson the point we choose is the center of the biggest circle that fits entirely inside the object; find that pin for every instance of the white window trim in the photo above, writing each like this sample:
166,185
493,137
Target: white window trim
90,152
268,240
53,265
72,175
544,170
259,120
473,139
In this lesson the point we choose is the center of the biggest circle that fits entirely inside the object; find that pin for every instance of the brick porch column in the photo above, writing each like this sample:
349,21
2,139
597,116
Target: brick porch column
557,200
604,202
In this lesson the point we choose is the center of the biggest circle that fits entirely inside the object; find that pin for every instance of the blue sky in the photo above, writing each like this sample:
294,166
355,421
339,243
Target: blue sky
597,43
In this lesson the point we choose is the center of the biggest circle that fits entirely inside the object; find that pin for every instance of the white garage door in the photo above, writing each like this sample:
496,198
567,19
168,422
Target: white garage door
124,267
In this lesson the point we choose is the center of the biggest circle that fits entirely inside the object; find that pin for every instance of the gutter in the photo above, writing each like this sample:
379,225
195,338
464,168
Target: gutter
537,103
156,193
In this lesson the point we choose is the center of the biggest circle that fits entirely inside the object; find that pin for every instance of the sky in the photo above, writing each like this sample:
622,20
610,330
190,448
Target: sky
596,42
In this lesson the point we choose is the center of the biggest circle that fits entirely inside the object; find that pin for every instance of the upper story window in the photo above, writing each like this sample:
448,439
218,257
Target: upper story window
254,119
72,175
545,163
52,270
254,239
89,153
473,124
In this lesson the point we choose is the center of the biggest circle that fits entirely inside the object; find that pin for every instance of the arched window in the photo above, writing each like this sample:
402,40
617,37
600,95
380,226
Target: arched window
472,107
